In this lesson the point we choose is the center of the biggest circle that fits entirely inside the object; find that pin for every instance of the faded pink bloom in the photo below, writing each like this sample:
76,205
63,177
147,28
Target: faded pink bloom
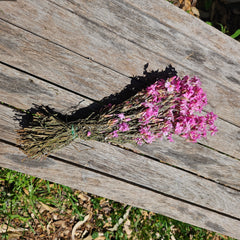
121,116
139,141
213,129
170,87
178,128
169,137
88,133
115,134
123,127
149,138
112,122
160,118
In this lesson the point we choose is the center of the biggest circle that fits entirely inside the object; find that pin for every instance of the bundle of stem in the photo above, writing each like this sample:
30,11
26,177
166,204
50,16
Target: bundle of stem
164,108
47,133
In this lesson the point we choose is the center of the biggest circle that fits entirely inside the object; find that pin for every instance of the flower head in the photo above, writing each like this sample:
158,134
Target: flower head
121,116
88,133
166,108
123,127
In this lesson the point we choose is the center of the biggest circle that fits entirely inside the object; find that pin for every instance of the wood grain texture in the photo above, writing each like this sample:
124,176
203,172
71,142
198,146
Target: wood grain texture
159,36
23,91
71,71
102,33
76,50
80,178
191,26
191,157
47,60
142,171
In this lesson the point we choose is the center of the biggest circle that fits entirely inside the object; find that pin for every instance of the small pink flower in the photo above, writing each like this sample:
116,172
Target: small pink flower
88,133
170,87
148,104
149,138
196,81
123,127
151,90
211,118
194,136
188,94
115,134
150,112
177,82
169,137
213,130
144,130
121,116
139,141
178,128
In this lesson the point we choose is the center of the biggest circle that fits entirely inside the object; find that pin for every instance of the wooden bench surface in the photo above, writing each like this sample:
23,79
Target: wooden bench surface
59,53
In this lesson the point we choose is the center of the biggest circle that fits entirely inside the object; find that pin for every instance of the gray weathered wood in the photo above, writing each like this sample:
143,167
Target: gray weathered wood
19,89
159,36
23,91
86,50
92,182
182,22
142,171
190,191
96,31
47,60
78,74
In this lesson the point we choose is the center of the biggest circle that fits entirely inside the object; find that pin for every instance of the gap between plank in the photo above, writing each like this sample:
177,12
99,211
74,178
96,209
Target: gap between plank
214,149
147,156
131,183
66,48
135,8
139,45
155,159
48,81
182,169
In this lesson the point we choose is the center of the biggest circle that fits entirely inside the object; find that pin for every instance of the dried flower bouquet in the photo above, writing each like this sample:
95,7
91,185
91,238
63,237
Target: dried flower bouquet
160,110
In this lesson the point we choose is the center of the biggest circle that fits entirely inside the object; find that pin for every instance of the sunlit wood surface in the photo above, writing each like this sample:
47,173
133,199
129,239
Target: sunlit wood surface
59,53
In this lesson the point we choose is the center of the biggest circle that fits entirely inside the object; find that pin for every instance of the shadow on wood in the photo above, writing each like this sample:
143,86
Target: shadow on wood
137,84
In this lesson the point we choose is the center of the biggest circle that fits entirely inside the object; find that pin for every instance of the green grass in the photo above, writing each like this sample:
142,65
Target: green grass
225,30
32,205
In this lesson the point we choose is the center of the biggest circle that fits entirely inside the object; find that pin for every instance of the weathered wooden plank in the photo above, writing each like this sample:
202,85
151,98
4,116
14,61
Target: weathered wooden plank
19,89
23,91
159,36
192,27
81,178
112,14
49,61
187,54
149,182
142,171
64,68
96,31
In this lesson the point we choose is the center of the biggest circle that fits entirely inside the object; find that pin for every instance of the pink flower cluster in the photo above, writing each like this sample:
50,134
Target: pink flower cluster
170,107
123,126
